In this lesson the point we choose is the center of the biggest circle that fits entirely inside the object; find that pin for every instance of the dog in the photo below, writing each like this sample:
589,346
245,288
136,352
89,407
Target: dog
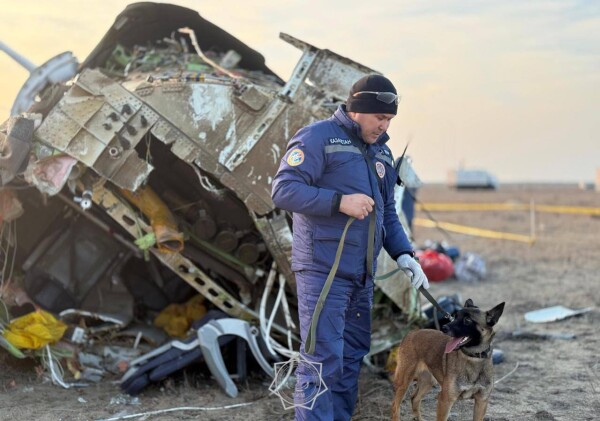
459,359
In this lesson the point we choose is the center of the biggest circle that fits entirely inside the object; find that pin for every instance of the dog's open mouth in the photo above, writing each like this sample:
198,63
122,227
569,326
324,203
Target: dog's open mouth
456,343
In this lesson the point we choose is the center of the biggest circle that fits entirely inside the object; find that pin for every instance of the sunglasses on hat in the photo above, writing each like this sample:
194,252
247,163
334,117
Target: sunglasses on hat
386,97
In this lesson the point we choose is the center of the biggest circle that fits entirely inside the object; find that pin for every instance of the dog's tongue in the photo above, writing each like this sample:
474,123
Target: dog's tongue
451,346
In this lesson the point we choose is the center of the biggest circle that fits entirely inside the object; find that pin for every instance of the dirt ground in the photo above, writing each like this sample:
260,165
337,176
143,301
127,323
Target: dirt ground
556,379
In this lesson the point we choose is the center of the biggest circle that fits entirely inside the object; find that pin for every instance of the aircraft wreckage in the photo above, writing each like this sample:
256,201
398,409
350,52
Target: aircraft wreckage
152,164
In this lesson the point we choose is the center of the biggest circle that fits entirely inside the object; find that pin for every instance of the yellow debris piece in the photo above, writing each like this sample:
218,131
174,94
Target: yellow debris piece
34,330
390,364
176,319
168,237
478,232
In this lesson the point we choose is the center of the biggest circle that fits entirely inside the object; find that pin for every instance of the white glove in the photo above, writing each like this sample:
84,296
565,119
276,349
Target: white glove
413,270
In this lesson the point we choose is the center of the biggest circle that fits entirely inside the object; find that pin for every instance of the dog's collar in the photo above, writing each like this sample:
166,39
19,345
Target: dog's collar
483,354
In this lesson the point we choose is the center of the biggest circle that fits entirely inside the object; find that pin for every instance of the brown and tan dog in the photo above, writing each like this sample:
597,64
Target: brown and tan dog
460,360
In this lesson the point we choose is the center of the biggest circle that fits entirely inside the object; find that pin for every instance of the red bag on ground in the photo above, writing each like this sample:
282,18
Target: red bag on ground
437,266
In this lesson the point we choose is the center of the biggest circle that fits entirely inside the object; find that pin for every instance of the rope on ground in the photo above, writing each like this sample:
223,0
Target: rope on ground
182,408
512,371
478,232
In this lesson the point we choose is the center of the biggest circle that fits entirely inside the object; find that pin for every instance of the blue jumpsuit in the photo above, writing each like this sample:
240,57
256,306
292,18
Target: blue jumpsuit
321,164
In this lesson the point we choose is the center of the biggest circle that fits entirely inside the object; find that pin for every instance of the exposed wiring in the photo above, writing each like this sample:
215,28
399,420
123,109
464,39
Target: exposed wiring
15,245
266,324
2,225
4,251
284,371
263,306
57,378
206,184
182,408
6,312
274,312
148,139
289,322
192,36
505,376
11,235
288,374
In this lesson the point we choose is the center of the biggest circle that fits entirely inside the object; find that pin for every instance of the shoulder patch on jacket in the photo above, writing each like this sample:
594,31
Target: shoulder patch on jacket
295,158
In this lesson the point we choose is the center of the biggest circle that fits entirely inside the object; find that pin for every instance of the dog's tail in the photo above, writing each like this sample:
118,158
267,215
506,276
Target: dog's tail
402,379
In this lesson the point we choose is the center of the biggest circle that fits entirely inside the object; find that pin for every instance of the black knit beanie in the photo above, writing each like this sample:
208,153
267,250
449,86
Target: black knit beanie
368,103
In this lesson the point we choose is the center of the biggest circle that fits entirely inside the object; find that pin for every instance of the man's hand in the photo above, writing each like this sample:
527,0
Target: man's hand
357,205
413,270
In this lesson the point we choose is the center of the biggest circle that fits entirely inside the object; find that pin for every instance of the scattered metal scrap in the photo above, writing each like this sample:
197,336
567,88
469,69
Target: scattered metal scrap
554,313
176,146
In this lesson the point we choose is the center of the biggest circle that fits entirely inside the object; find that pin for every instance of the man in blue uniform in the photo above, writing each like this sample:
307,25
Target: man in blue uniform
335,169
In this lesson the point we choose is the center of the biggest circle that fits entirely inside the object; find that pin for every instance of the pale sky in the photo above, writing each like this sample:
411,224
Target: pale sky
511,86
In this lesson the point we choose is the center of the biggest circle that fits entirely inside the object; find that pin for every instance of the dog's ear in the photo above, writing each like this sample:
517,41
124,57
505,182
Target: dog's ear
469,303
494,314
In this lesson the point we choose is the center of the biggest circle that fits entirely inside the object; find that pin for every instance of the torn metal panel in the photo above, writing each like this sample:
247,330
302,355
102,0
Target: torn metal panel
261,127
335,75
278,238
96,322
202,111
236,130
241,144
292,109
99,123
57,130
261,162
252,97
128,172
330,72
203,123
181,145
408,175
250,199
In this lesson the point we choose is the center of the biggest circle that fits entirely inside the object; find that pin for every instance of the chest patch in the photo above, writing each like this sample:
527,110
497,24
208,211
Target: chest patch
295,158
380,169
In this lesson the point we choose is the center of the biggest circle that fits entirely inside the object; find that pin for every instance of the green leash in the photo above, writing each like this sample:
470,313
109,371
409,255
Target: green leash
309,345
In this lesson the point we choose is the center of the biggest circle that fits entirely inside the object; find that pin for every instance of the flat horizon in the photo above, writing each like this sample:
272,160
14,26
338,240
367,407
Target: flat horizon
509,86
